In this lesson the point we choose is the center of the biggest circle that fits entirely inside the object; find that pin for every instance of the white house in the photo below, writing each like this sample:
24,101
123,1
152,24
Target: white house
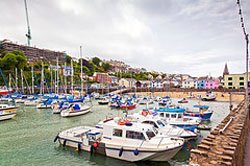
189,83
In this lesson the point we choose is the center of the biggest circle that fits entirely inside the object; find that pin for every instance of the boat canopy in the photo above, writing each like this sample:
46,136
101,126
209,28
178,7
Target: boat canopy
171,110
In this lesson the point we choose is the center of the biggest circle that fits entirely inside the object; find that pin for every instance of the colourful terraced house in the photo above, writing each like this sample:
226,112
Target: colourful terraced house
212,84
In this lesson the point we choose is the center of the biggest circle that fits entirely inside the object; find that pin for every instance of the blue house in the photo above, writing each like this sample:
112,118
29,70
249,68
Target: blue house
201,83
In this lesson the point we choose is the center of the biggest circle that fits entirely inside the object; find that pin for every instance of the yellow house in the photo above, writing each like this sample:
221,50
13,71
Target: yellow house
235,81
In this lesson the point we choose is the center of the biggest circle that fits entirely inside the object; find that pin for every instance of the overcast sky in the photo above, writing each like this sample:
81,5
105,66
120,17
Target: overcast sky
196,37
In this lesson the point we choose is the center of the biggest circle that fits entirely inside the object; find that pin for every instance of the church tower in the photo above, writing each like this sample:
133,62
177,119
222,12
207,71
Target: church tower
225,72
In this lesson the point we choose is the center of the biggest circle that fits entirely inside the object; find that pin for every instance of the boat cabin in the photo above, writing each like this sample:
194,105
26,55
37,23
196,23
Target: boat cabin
119,131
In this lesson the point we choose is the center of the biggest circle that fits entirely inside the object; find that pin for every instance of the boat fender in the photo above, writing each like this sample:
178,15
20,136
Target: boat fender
79,147
95,145
136,152
92,150
64,142
120,152
56,138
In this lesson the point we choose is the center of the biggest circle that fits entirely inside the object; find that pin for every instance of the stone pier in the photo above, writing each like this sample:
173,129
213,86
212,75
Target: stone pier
225,144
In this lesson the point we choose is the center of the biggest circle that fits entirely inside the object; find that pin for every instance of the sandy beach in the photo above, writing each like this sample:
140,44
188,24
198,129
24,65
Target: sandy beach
221,96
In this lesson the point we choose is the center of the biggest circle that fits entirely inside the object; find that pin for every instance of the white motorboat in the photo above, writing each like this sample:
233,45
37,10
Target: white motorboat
164,128
132,141
175,116
123,140
209,97
7,112
76,110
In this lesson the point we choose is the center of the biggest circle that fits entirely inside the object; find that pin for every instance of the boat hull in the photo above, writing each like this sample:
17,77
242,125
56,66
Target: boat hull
7,116
128,107
143,155
204,116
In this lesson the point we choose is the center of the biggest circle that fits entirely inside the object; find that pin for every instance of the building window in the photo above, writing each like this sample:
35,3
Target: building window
241,78
229,78
241,83
230,84
117,132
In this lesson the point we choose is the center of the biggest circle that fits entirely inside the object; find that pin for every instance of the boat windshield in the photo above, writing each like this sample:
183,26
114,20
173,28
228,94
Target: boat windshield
150,134
160,123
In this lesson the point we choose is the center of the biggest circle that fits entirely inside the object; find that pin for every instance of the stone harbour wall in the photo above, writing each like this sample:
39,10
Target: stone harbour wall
225,144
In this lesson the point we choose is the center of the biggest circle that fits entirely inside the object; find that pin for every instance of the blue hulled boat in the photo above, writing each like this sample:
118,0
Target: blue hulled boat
201,111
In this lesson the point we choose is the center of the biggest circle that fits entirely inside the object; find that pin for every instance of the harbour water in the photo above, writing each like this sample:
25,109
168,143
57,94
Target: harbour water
28,138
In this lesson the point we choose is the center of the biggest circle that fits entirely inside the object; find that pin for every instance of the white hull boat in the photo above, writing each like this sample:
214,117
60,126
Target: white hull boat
7,112
43,106
73,111
122,140
6,116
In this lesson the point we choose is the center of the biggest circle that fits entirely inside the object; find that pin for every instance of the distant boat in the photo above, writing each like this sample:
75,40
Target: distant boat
5,91
103,101
7,112
76,110
208,97
183,100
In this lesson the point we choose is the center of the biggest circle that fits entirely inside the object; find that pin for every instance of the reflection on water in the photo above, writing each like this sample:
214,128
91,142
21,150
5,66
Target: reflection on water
28,139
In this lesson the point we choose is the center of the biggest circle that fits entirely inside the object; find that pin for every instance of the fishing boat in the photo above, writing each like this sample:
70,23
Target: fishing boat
7,111
175,116
76,109
201,111
123,140
183,100
209,96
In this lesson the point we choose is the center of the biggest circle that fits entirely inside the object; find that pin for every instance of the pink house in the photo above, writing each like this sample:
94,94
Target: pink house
212,84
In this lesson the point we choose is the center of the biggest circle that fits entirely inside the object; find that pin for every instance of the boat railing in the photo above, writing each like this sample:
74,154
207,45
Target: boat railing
160,142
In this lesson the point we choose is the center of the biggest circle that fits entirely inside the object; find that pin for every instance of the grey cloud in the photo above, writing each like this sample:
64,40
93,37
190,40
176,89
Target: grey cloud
184,36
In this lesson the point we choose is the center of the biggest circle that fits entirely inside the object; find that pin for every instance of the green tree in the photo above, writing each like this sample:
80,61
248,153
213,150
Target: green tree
106,66
96,61
9,61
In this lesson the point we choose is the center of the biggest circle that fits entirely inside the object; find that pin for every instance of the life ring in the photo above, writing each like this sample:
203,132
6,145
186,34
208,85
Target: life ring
121,123
144,113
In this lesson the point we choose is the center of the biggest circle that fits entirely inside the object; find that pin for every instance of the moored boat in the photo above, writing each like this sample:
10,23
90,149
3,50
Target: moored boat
175,116
75,110
201,111
123,140
7,112
183,100
209,97
103,101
